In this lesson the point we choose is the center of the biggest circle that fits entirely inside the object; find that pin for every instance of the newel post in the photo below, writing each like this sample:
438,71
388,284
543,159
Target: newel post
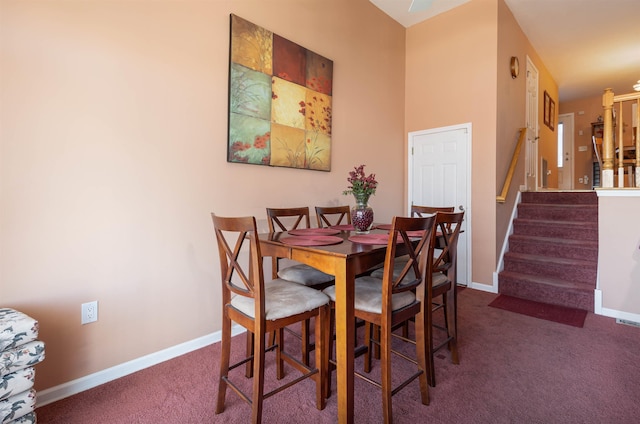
636,119
607,139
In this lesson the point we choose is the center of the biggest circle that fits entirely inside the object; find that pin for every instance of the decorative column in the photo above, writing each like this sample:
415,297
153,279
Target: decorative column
607,140
636,119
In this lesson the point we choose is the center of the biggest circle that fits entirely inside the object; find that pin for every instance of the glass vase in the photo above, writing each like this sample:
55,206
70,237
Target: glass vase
362,215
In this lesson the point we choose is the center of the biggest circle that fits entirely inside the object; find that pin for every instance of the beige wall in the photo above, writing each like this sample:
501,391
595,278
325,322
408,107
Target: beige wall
511,115
114,121
511,107
619,253
548,141
451,79
585,111
458,71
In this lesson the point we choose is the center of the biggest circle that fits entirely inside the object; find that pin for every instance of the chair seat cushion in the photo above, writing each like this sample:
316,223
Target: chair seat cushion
282,299
17,406
16,382
397,269
20,357
16,328
368,295
305,275
439,279
29,418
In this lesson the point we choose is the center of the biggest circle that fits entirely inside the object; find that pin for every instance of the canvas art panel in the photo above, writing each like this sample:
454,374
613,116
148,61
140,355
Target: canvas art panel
280,96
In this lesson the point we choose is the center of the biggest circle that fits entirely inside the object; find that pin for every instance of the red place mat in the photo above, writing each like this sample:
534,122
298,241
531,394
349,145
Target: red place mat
311,240
314,232
387,227
346,227
372,238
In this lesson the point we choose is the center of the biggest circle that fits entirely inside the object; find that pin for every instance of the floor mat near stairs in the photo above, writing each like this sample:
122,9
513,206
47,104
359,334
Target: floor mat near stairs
555,313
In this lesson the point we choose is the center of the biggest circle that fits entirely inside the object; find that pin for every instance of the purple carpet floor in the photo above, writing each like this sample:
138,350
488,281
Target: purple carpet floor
513,369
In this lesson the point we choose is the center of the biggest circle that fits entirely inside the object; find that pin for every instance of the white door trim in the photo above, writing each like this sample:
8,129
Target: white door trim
533,127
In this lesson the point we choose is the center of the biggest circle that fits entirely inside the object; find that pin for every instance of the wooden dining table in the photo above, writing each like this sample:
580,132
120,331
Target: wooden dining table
344,260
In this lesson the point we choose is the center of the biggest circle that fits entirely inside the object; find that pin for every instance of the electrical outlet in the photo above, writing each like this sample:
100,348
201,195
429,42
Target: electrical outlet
89,312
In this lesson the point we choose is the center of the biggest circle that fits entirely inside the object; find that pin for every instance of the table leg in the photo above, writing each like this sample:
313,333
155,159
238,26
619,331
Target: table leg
345,334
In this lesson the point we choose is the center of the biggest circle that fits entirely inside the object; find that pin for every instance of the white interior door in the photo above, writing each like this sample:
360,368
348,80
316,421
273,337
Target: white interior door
565,152
439,175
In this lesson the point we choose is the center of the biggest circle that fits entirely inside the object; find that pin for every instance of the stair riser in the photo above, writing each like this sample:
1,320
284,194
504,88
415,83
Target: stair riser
589,233
569,297
564,198
581,214
555,250
576,274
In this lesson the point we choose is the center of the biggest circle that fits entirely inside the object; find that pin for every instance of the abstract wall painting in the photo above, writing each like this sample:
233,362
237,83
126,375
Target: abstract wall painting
280,97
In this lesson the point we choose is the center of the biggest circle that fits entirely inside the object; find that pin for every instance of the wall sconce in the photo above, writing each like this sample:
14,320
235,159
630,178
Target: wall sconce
637,86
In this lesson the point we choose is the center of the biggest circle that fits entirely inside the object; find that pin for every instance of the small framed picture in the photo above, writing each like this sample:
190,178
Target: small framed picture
552,114
547,107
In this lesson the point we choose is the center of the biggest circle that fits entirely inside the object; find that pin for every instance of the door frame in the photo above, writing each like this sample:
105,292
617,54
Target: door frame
568,120
532,94
468,212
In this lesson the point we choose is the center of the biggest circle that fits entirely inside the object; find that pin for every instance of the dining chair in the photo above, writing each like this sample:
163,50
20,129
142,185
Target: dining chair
443,291
330,216
263,308
392,300
418,210
286,219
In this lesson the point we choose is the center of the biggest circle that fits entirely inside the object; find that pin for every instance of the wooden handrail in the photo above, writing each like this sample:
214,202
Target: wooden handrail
512,168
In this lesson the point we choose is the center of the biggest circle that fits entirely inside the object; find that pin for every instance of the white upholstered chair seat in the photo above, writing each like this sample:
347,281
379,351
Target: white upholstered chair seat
368,295
305,275
283,299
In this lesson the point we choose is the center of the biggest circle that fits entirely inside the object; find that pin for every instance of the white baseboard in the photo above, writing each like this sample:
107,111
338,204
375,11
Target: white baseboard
612,313
626,316
483,287
73,387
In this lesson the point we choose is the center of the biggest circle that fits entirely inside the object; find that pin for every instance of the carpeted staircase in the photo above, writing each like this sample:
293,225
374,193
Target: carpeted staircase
553,251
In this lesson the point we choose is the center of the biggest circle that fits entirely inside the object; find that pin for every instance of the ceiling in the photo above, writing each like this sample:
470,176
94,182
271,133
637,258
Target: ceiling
587,45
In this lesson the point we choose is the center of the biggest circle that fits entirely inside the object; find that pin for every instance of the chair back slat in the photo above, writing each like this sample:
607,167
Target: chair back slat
448,226
277,223
244,278
403,234
333,215
417,210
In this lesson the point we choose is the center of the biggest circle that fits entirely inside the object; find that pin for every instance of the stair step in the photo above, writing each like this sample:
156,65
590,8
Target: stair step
574,197
556,229
554,246
558,212
553,251
575,270
554,291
